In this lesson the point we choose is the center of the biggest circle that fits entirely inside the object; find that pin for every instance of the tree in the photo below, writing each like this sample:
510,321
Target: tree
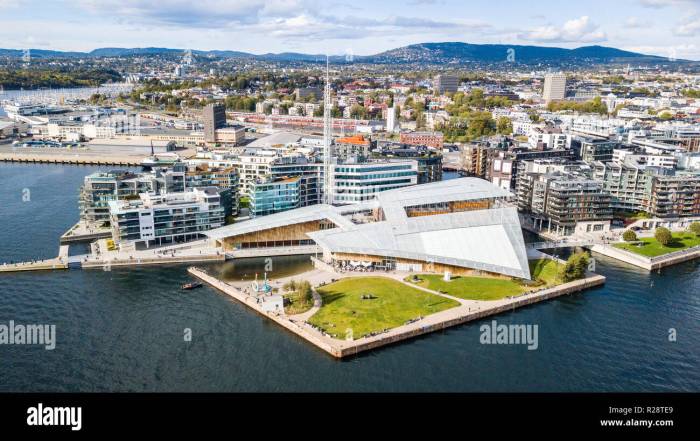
663,236
629,236
695,228
575,267
504,126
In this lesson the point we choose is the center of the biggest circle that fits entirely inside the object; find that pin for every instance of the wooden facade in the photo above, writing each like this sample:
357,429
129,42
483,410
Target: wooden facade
288,235
449,207
427,267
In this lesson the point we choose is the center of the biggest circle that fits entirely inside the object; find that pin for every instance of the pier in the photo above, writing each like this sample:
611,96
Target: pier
66,159
469,310
58,263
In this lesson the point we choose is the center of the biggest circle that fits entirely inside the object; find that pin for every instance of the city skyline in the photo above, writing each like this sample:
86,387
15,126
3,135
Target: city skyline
657,27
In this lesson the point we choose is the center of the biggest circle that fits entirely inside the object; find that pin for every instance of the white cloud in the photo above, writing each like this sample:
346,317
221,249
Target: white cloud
664,3
8,4
281,18
689,27
577,30
637,23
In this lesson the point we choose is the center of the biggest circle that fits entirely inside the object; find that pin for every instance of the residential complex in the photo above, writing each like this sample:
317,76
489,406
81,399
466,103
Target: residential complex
169,218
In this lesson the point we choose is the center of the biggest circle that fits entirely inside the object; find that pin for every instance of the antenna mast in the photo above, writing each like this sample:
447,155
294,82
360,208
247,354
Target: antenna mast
327,134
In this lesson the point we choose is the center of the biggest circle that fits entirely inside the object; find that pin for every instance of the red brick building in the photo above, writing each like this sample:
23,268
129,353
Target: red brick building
430,139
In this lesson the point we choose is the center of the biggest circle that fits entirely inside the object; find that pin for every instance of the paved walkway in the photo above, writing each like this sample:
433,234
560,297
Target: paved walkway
57,263
318,301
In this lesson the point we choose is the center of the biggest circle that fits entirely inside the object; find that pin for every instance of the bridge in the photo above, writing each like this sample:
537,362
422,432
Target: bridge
566,243
274,251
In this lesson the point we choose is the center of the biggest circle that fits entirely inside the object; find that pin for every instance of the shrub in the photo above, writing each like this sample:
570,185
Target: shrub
695,228
575,267
629,236
663,236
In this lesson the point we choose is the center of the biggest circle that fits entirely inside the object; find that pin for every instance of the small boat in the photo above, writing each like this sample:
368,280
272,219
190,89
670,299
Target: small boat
192,285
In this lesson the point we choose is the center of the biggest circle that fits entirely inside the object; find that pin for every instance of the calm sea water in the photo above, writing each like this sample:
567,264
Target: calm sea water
123,330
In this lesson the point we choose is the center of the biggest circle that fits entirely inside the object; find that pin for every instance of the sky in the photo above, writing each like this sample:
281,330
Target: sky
360,27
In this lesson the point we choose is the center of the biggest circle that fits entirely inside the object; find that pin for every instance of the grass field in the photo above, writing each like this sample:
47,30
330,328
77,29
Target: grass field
650,247
485,288
392,305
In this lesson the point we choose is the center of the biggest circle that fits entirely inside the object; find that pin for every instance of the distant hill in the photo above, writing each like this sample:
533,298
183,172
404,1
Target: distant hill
457,52
435,53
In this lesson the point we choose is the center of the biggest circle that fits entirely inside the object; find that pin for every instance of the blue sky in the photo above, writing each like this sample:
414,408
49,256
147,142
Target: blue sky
662,27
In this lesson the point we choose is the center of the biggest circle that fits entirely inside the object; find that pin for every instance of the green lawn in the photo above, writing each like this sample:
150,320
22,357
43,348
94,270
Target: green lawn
650,247
546,270
486,288
393,304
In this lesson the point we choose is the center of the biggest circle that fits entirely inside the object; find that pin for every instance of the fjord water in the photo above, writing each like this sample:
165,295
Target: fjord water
123,330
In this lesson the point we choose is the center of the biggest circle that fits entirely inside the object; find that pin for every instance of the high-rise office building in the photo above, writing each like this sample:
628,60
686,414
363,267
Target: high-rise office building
391,119
446,83
214,118
554,87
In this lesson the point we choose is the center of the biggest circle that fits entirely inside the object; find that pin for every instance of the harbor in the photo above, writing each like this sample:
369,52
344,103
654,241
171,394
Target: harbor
146,307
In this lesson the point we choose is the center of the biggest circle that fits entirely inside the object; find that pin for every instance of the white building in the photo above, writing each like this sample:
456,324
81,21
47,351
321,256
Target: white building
156,219
460,226
359,182
554,87
391,119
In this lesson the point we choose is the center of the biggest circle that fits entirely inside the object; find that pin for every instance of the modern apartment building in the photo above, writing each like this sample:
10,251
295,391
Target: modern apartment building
675,196
593,149
225,178
275,194
100,188
359,182
168,218
629,186
475,160
309,169
554,87
558,201
505,164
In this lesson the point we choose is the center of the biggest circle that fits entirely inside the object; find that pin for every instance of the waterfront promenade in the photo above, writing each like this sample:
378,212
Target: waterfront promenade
648,263
190,252
468,310
58,263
